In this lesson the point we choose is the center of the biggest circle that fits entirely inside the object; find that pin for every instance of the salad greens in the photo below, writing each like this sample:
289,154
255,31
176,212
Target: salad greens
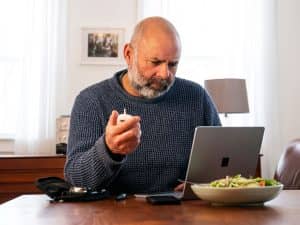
239,181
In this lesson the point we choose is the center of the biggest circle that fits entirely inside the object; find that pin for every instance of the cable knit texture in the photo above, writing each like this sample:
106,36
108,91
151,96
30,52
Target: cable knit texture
167,123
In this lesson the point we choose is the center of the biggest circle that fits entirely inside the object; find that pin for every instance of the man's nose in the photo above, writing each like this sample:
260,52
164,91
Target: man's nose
164,72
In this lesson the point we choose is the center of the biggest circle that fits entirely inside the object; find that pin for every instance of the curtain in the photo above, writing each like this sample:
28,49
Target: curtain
231,39
42,61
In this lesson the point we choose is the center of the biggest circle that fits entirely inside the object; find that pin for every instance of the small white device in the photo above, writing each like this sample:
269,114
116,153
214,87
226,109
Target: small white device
124,116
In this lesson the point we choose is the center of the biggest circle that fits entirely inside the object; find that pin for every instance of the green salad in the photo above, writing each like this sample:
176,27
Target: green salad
239,181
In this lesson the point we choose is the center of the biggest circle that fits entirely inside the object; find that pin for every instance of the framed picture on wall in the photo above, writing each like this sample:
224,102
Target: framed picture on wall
102,46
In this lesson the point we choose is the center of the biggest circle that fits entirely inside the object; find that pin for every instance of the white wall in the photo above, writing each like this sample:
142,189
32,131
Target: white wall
94,14
289,67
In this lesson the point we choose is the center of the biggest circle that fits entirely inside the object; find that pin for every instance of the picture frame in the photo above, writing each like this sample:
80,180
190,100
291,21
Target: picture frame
102,46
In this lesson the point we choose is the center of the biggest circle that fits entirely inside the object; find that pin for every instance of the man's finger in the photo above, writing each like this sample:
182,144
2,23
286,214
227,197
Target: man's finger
113,118
179,187
129,124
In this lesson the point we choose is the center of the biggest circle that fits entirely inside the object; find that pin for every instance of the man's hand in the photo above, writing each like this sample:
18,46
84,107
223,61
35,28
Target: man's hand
179,187
124,137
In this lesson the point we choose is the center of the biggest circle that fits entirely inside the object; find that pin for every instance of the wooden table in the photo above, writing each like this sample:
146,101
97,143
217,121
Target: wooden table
36,209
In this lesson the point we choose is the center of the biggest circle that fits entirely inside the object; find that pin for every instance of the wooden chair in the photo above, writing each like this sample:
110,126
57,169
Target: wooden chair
288,169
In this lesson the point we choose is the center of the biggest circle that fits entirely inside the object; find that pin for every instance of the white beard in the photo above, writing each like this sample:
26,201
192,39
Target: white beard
143,86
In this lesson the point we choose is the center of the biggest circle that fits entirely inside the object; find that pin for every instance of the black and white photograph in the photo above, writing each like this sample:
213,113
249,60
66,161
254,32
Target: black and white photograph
102,45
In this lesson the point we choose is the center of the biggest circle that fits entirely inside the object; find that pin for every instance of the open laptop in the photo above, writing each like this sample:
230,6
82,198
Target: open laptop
218,152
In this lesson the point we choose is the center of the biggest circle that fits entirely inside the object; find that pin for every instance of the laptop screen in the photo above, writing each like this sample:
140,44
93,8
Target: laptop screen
218,152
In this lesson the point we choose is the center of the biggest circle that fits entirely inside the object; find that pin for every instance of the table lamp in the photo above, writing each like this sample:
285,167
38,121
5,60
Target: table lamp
229,95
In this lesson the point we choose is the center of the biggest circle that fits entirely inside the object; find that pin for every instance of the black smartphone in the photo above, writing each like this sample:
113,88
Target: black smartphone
163,200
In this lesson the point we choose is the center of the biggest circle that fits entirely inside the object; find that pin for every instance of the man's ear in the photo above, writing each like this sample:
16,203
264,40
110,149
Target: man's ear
128,54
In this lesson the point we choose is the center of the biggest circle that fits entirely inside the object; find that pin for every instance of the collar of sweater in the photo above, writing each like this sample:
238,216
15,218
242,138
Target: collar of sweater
116,85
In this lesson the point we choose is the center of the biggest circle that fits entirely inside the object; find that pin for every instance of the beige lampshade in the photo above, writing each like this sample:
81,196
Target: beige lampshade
229,95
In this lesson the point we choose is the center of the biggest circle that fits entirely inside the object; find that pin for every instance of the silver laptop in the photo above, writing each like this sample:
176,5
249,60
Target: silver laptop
218,152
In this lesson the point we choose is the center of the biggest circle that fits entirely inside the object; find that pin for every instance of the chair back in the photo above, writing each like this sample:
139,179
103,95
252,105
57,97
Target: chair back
288,169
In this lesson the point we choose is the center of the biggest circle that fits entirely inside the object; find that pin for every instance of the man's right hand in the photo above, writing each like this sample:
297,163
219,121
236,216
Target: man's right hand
122,138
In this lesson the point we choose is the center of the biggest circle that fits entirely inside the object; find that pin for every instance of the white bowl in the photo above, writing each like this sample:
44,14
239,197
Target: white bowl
242,195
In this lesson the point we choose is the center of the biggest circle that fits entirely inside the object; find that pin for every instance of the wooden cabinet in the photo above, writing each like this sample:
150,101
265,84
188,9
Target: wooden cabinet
18,173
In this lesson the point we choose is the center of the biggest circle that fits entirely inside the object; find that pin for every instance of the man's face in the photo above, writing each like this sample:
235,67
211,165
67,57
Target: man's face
153,68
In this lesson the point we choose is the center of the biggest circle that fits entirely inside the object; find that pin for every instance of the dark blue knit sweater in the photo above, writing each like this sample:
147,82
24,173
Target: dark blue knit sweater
167,124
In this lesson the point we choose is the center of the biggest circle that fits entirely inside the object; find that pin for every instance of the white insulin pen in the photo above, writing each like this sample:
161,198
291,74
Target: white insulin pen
124,116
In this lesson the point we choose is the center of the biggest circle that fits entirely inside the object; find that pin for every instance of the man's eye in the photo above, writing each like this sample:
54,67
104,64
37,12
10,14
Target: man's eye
155,63
173,64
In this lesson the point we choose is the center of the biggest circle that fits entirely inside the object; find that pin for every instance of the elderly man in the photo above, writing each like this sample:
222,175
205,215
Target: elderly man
149,151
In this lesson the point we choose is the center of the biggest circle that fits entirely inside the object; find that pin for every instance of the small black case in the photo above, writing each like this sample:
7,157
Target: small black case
60,190
163,200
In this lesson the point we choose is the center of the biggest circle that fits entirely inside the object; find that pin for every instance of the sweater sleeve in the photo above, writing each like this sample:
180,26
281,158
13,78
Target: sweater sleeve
89,163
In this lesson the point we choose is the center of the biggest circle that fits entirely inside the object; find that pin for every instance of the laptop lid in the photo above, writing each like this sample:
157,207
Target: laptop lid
218,152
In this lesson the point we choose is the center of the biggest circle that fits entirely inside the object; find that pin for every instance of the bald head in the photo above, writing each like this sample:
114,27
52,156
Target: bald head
152,57
154,27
